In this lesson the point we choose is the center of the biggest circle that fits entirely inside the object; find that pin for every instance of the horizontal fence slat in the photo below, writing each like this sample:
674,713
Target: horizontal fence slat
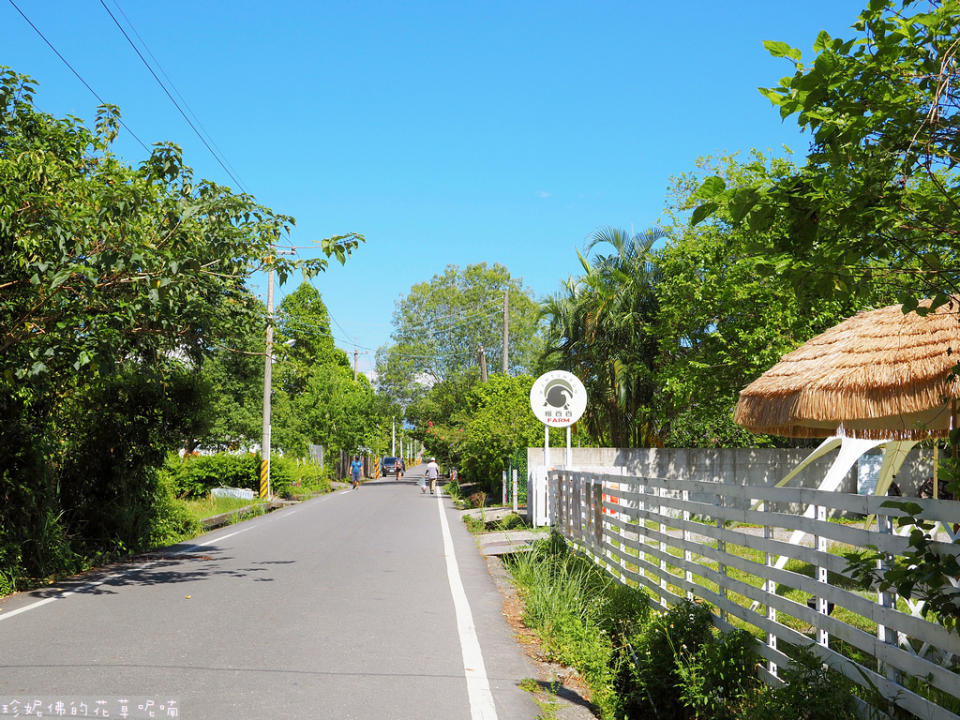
930,509
845,534
940,677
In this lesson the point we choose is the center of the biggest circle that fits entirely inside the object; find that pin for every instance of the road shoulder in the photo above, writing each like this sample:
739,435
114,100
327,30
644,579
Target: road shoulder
558,690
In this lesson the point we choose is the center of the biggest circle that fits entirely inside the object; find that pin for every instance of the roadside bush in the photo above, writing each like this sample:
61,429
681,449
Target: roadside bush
641,665
193,476
287,477
477,500
811,692
173,522
452,489
717,681
576,607
649,679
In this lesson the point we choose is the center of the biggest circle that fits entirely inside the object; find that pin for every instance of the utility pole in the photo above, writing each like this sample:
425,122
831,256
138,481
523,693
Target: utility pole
393,436
355,355
267,382
483,365
265,438
506,330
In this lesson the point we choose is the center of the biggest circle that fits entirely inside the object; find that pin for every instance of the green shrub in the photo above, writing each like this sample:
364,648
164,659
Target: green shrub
811,692
195,475
649,681
173,522
288,477
715,682
576,609
668,666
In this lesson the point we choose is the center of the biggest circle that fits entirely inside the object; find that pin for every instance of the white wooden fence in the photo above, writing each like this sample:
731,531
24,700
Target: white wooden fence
739,548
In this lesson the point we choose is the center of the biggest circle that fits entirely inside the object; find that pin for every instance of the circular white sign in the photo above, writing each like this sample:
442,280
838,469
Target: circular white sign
558,398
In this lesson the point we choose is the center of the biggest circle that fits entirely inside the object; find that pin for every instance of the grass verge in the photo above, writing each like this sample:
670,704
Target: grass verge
670,664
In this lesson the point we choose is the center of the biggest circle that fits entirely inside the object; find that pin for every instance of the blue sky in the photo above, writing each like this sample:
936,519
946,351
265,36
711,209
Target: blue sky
445,132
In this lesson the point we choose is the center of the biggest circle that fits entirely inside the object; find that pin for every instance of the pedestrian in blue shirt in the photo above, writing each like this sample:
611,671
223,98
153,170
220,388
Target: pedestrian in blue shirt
356,467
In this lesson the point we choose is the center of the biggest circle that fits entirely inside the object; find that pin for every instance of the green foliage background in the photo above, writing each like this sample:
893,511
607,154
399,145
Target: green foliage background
126,331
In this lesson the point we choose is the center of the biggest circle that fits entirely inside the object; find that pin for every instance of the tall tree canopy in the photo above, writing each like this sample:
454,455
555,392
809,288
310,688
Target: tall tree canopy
116,282
877,199
724,317
601,327
441,324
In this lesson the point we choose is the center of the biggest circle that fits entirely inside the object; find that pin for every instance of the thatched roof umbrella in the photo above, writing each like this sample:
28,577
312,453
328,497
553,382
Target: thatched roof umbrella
878,375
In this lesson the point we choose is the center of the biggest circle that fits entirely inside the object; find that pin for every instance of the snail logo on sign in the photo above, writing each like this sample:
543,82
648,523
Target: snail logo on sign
558,398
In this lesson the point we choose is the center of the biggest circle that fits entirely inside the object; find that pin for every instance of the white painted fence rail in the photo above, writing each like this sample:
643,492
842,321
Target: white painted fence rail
733,550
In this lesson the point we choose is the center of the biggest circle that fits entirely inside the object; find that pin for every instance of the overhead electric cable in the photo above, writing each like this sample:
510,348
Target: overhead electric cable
494,304
330,315
421,331
447,328
175,90
319,331
74,71
172,99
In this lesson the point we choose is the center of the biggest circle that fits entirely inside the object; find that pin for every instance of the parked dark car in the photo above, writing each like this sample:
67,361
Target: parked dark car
389,465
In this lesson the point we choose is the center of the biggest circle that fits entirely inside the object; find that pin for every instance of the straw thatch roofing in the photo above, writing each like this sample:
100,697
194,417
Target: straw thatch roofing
880,374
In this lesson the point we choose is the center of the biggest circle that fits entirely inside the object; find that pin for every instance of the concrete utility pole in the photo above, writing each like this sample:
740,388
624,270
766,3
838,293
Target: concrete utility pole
265,438
267,382
483,365
506,331
355,356
393,436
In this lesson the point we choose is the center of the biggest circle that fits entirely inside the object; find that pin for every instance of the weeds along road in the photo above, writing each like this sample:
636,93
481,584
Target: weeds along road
345,606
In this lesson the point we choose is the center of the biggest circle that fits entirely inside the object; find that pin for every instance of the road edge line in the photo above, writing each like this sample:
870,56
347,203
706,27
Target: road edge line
482,706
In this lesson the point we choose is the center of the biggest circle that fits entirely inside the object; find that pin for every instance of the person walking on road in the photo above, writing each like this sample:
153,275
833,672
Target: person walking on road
432,473
356,467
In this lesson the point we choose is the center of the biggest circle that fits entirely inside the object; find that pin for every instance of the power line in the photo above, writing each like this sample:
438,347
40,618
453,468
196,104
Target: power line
317,330
463,314
308,328
432,331
74,71
172,99
175,90
330,315
468,320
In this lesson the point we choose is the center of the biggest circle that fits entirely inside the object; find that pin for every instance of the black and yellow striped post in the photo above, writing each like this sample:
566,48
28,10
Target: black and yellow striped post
265,479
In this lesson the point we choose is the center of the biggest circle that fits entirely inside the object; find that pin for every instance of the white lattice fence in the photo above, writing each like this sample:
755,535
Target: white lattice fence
727,545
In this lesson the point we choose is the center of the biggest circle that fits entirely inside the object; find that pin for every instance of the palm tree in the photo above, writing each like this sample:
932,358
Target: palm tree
601,330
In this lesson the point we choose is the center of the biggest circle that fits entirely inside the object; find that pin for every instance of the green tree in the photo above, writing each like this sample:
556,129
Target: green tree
877,199
495,424
441,324
316,399
723,317
233,382
876,202
435,417
303,339
601,329
337,411
116,280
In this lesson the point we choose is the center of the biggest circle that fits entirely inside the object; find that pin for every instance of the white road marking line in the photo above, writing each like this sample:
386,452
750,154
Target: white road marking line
31,606
474,670
111,576
87,586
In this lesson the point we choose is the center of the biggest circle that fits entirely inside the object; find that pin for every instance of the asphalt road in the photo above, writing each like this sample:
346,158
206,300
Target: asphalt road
346,607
